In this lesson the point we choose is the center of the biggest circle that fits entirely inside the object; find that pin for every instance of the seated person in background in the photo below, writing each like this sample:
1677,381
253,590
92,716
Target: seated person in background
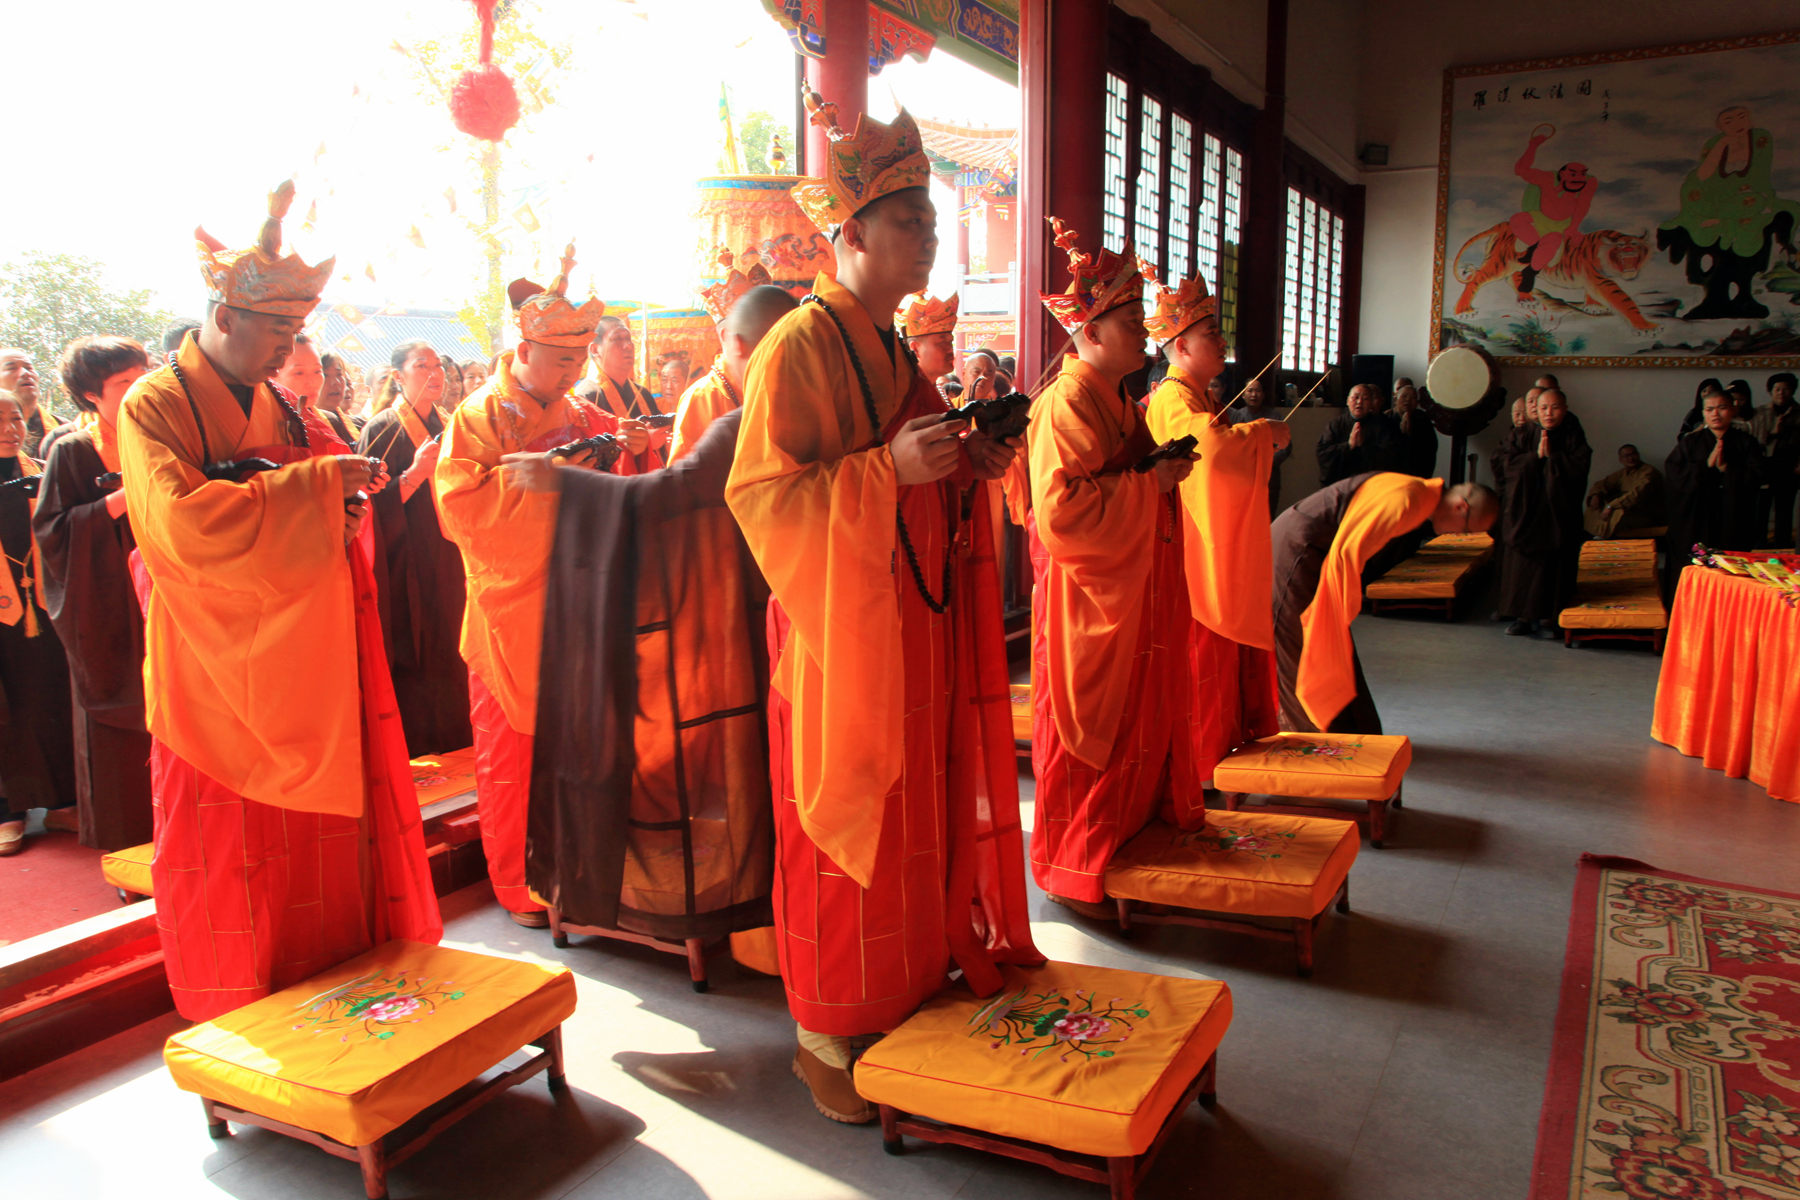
1777,427
1628,500
1418,440
1255,406
1714,475
1743,404
1546,478
1359,439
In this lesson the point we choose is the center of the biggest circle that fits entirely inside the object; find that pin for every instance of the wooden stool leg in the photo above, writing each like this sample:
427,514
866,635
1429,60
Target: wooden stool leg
1123,907
1231,799
696,956
1377,822
1303,946
555,1076
1343,897
1399,796
1122,1174
216,1128
1209,1082
373,1158
891,1141
558,938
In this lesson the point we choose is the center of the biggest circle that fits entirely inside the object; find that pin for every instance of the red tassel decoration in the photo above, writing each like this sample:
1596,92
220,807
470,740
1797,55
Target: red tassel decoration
483,102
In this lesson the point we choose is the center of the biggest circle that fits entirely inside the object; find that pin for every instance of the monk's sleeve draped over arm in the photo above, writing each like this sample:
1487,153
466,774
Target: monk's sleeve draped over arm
818,513
1385,507
275,533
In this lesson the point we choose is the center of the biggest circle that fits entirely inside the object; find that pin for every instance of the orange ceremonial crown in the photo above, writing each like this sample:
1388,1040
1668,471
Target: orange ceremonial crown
1178,309
545,314
877,160
1098,284
719,298
928,314
259,279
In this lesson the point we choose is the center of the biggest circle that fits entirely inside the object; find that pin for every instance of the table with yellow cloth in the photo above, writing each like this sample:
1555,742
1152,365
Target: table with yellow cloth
1729,694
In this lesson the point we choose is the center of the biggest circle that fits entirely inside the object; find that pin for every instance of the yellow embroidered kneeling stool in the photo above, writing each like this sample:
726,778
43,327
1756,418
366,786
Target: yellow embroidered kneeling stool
1080,1069
352,1055
1242,870
128,871
1319,766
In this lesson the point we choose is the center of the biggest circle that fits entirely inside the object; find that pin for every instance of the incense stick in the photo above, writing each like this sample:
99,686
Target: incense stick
1309,392
1253,379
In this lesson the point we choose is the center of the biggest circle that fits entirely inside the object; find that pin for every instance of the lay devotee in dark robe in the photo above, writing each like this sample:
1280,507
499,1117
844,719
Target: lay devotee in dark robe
85,544
1546,483
1321,546
898,852
1419,441
504,532
287,832
37,752
1777,427
614,354
1714,476
650,807
1113,735
1360,439
1628,500
1255,406
420,570
18,375
1224,535
334,399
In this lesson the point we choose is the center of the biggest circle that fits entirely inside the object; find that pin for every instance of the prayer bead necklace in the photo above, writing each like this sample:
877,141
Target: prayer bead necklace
868,398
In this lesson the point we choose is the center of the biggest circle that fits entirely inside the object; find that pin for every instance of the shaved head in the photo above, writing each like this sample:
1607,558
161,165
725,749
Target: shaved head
756,312
1477,505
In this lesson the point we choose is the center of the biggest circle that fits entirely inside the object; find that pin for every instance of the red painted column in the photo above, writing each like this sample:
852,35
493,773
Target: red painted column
842,76
1062,91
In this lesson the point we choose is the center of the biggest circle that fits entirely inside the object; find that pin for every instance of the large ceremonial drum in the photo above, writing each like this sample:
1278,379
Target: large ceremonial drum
755,218
1462,390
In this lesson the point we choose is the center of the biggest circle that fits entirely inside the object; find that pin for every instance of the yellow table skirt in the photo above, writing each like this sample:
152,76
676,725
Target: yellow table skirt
1087,1059
1248,864
1340,766
357,1051
129,869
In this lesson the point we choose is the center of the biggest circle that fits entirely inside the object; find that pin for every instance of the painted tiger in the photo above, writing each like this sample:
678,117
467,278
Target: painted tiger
1589,262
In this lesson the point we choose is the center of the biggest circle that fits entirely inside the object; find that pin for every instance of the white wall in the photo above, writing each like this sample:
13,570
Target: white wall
1406,45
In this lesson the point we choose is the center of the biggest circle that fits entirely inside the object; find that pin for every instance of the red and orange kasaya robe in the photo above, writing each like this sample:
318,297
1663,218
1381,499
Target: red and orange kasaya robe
1227,561
629,399
1112,732
505,533
898,848
287,832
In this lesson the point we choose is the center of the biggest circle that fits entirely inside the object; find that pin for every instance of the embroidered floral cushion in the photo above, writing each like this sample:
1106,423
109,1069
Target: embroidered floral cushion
358,1050
1617,588
1437,571
1341,766
1248,864
1087,1059
129,869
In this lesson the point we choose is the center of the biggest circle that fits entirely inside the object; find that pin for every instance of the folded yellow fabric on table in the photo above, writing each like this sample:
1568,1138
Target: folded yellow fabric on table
1086,1059
1248,864
356,1051
1339,766
129,869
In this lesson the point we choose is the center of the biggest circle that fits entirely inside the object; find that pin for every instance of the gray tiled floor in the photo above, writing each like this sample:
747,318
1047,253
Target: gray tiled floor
1410,1067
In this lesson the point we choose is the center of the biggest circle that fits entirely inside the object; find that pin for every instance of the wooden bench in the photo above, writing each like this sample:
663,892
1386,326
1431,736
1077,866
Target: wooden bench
1617,595
372,1059
1084,1070
1435,577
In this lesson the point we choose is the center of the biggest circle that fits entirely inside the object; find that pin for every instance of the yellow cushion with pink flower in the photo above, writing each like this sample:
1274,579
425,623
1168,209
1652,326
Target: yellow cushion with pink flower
1086,1059
1248,864
1340,766
356,1051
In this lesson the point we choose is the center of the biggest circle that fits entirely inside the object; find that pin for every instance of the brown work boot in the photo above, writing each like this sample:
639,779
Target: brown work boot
833,1089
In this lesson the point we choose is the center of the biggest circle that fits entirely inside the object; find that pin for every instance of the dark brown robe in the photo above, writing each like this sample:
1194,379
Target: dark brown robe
1717,509
1542,520
421,596
1381,449
1302,538
86,555
650,802
37,746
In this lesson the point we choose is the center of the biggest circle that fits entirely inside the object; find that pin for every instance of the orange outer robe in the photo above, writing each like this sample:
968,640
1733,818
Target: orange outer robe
897,837
1228,562
287,831
505,534
707,399
1385,507
1111,637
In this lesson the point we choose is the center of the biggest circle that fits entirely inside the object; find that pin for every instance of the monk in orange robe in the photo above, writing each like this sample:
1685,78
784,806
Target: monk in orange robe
898,851
1321,546
504,530
1111,627
287,832
614,354
1225,529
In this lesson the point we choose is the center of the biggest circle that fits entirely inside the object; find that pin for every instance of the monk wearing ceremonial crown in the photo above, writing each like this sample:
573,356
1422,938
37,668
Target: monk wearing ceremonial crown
1113,689
1225,528
868,512
930,328
287,834
496,501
